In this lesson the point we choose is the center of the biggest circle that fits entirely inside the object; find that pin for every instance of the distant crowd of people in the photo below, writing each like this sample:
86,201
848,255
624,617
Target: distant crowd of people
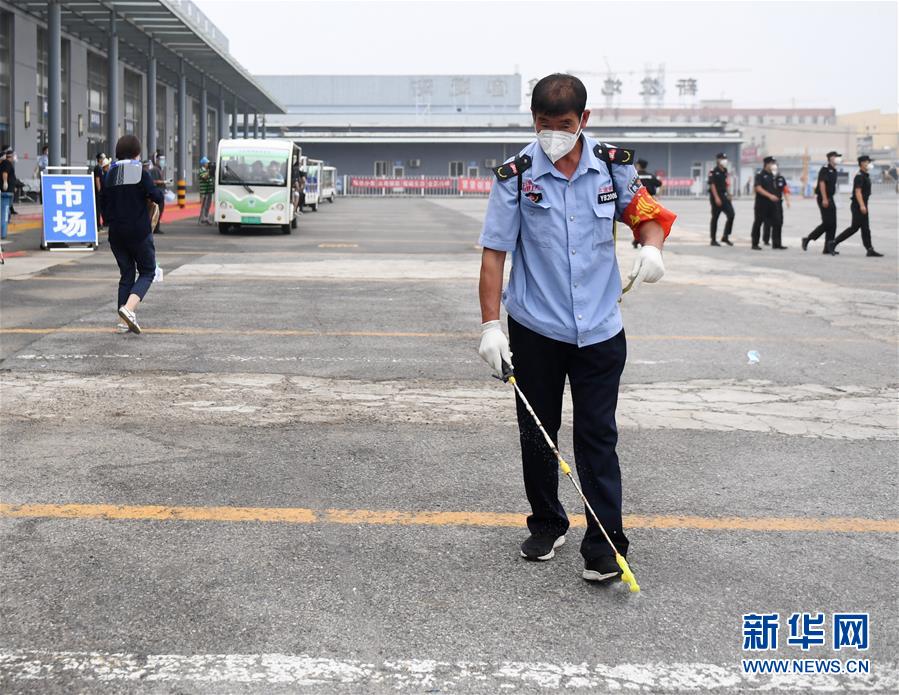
772,191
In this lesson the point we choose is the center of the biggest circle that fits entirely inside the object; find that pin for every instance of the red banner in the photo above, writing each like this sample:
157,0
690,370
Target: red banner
677,183
475,185
359,182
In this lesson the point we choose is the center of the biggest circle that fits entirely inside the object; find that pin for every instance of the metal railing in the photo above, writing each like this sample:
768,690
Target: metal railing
479,187
416,186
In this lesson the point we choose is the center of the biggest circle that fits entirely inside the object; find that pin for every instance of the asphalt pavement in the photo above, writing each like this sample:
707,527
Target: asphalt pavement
302,479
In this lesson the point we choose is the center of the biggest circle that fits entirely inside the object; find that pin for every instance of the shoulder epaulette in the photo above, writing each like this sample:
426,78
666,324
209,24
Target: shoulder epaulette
617,155
516,167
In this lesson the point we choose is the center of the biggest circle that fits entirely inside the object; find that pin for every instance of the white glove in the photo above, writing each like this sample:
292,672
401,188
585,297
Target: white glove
647,268
494,347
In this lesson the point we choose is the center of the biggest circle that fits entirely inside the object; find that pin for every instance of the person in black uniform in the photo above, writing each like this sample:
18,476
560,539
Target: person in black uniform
772,230
765,200
825,189
719,197
650,182
124,197
861,191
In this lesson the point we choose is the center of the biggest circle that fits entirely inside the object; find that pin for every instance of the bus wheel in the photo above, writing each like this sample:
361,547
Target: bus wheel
224,227
293,222
314,207
285,229
331,199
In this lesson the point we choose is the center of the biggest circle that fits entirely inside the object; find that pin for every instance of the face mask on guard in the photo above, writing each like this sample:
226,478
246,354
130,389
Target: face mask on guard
557,143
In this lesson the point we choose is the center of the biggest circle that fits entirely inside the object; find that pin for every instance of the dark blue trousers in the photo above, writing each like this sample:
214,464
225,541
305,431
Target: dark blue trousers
137,265
594,374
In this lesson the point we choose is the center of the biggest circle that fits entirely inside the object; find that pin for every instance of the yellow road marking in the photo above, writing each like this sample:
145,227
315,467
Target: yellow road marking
290,332
299,515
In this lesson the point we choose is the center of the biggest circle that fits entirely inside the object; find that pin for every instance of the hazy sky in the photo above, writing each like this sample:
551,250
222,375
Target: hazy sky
841,54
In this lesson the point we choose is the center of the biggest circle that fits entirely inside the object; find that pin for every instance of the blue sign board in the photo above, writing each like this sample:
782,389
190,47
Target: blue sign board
70,208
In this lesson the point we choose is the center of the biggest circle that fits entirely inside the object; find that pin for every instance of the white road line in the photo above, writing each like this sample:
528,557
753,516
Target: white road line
415,674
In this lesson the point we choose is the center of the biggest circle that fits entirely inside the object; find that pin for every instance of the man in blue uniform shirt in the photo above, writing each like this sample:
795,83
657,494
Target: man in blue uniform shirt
553,208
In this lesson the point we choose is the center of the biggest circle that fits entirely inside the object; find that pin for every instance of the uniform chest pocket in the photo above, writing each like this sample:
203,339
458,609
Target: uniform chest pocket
603,214
536,222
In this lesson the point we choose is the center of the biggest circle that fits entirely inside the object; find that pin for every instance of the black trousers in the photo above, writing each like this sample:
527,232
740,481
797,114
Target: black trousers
763,215
137,265
859,221
771,231
161,210
828,226
728,209
594,373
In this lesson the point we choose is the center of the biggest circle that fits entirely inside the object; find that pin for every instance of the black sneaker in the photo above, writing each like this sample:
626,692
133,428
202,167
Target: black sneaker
805,241
780,248
714,243
601,569
541,546
756,247
873,254
726,240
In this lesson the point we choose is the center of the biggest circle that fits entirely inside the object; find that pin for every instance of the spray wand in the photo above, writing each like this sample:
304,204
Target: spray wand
627,576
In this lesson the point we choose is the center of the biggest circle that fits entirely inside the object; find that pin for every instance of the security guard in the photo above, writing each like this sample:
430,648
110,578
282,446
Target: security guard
650,182
861,191
825,189
765,200
552,208
719,197
772,230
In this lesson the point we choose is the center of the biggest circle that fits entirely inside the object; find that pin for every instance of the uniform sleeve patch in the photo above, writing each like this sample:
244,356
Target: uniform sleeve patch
511,169
617,155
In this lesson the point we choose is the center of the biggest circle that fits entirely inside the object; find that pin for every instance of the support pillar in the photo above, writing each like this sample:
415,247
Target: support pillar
112,92
151,99
246,124
255,126
204,119
181,156
54,86
234,119
223,115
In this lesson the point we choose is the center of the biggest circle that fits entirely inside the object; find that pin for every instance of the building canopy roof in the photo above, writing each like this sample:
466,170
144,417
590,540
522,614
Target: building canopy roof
179,31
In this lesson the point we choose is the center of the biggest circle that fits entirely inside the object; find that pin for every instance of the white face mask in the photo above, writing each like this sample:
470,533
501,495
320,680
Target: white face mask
557,143
774,169
869,166
836,161
722,163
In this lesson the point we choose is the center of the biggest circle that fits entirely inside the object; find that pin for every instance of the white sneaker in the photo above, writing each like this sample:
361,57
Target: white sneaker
129,318
122,328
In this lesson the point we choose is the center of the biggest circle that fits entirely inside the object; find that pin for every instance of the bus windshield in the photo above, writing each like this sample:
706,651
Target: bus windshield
245,167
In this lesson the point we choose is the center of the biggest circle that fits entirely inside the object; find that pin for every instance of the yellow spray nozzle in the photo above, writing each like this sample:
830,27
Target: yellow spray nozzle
566,469
512,380
626,575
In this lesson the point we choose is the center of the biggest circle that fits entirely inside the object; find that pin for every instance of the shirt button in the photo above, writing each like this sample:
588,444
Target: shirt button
579,317
575,284
571,218
573,252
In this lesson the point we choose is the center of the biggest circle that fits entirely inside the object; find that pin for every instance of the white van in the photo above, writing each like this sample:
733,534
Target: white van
313,169
329,184
253,184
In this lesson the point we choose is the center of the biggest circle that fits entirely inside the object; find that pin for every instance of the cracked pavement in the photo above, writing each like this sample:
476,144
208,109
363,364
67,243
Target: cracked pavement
336,369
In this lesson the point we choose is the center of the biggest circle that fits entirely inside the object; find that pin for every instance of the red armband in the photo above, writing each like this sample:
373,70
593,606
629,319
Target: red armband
643,208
